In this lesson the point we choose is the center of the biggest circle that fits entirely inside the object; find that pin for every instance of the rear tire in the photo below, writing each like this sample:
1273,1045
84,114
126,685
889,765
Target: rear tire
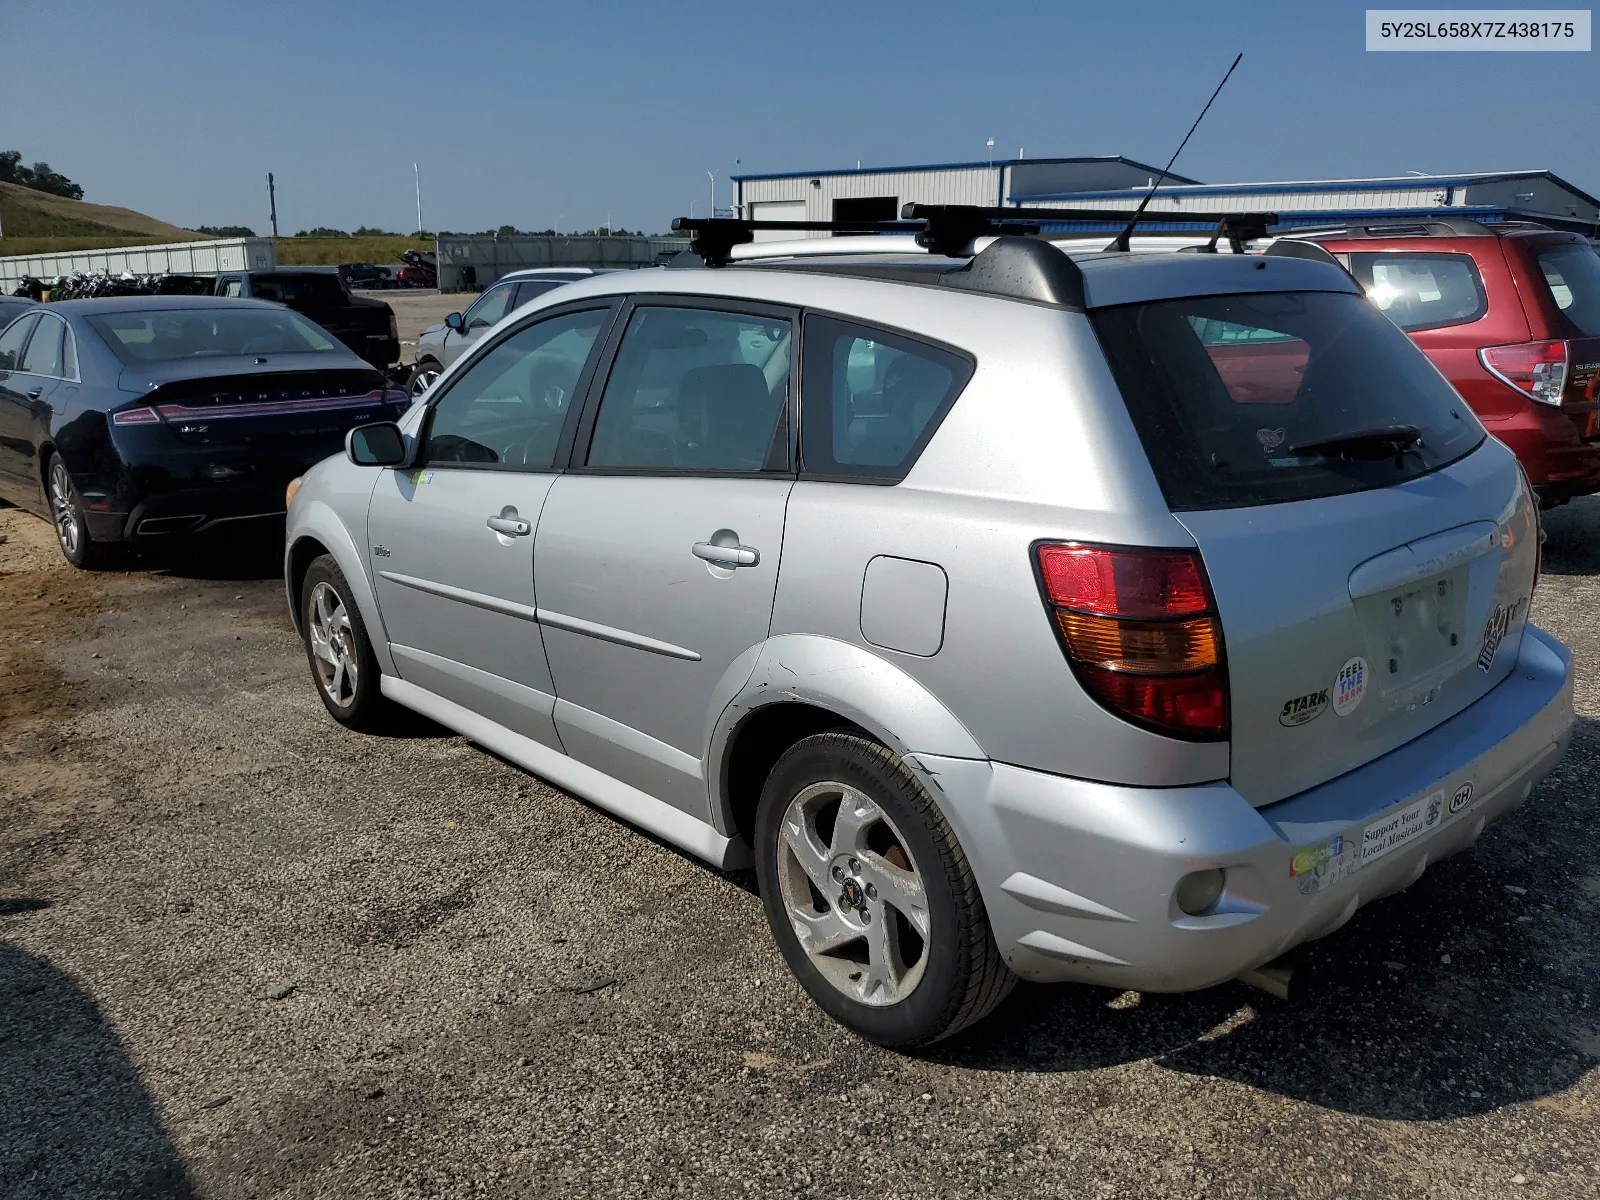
343,665
870,897
72,530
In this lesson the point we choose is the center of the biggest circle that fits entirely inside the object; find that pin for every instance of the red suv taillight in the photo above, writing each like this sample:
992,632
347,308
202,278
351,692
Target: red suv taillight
1140,630
1536,369
394,326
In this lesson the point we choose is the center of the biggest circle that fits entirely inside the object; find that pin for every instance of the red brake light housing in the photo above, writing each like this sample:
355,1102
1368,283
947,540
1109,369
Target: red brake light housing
394,326
1536,369
1139,628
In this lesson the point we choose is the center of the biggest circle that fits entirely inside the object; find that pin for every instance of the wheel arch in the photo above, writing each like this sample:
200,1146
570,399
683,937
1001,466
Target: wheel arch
315,529
802,684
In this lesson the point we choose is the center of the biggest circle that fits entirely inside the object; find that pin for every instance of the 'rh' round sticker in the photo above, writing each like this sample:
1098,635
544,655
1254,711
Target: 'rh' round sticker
1350,686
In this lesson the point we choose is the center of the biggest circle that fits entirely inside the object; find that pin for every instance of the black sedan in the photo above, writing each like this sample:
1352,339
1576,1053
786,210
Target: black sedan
139,420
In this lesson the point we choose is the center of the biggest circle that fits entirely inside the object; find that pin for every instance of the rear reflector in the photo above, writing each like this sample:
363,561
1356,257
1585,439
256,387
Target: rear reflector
1141,634
1536,369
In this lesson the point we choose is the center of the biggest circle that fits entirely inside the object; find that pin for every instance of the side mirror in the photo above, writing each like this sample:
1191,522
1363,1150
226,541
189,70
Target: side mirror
455,322
377,445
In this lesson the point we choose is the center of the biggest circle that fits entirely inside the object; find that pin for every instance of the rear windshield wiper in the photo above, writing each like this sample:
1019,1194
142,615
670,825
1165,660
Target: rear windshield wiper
1389,441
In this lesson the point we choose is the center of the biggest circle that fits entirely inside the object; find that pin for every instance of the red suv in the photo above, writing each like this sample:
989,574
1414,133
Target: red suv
1510,314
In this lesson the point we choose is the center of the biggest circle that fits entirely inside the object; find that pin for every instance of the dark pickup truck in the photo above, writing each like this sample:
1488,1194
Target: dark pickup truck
366,326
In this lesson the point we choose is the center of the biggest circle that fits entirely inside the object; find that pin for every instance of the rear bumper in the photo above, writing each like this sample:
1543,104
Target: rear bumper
1079,877
1560,465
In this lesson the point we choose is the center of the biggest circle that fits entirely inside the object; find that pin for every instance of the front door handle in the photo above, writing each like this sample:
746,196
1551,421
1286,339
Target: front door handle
724,550
510,524
35,393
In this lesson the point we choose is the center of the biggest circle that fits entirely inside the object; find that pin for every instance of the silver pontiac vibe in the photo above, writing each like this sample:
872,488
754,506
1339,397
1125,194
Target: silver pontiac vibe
1121,618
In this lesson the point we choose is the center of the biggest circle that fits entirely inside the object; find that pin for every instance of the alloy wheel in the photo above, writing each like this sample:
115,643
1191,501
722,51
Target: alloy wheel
422,379
63,510
853,894
333,646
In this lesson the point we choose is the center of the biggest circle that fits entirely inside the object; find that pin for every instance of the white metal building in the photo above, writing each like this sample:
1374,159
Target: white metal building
876,193
1490,196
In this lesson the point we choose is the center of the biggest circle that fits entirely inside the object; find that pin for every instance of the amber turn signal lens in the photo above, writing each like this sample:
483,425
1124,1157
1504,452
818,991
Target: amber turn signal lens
288,492
1149,647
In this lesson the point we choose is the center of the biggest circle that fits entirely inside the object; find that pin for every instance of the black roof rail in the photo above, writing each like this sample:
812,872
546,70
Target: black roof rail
1421,227
712,239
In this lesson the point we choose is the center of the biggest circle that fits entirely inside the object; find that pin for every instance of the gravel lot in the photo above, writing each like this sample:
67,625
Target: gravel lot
246,953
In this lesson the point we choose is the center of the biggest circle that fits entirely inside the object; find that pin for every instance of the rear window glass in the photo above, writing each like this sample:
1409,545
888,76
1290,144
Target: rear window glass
1573,273
1422,291
871,399
144,336
326,290
1232,395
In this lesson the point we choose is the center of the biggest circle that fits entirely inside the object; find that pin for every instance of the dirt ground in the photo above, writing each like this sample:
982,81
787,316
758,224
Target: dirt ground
244,952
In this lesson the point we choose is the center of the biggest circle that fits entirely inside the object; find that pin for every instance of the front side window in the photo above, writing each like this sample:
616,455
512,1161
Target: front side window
1572,273
489,308
232,287
508,407
43,355
1422,291
871,399
142,336
12,340
694,390
1278,396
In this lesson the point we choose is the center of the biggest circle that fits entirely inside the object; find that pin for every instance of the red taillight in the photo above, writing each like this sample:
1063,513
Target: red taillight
1141,633
136,416
394,326
1536,369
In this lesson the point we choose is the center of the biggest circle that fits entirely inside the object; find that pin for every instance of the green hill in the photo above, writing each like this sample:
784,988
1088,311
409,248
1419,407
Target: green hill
36,222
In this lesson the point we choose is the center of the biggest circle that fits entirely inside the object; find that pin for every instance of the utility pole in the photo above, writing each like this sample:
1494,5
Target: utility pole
417,175
272,202
713,179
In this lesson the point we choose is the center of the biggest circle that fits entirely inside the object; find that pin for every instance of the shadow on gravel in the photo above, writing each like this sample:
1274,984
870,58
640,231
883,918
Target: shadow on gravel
1572,541
240,557
75,1122
1380,1025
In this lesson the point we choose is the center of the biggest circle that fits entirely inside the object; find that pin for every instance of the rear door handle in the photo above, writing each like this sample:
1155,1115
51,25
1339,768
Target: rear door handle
510,524
727,556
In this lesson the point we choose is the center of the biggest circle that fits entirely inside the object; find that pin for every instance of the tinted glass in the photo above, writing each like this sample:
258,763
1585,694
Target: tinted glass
69,357
1573,273
490,307
1222,389
43,355
1422,291
12,339
308,289
696,390
232,287
508,407
173,334
871,399
533,288
11,308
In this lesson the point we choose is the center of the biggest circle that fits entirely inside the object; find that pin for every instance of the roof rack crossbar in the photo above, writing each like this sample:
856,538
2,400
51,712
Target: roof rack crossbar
713,238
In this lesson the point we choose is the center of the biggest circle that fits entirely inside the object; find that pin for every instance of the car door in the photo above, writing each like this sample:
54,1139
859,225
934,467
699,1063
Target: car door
657,553
16,449
484,313
450,538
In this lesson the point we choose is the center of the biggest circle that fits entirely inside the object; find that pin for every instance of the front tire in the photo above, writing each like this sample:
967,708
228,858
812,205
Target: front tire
870,897
423,376
343,665
72,530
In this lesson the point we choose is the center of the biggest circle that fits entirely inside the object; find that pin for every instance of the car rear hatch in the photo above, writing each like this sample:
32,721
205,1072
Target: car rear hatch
1371,554
1568,271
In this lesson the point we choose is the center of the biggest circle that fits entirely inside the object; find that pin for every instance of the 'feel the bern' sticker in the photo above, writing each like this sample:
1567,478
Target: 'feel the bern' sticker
1350,686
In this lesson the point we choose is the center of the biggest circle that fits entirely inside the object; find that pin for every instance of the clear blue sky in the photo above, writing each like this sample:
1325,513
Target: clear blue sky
523,113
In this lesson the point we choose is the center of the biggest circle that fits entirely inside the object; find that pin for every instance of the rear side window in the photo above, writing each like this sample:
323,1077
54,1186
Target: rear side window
1573,275
325,289
1422,291
1230,395
43,356
12,339
871,399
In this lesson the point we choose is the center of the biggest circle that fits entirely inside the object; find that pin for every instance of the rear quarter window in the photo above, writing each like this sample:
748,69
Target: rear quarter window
1223,389
870,399
1422,291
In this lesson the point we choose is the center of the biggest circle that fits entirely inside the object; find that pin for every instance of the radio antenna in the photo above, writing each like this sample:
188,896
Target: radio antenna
1121,242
